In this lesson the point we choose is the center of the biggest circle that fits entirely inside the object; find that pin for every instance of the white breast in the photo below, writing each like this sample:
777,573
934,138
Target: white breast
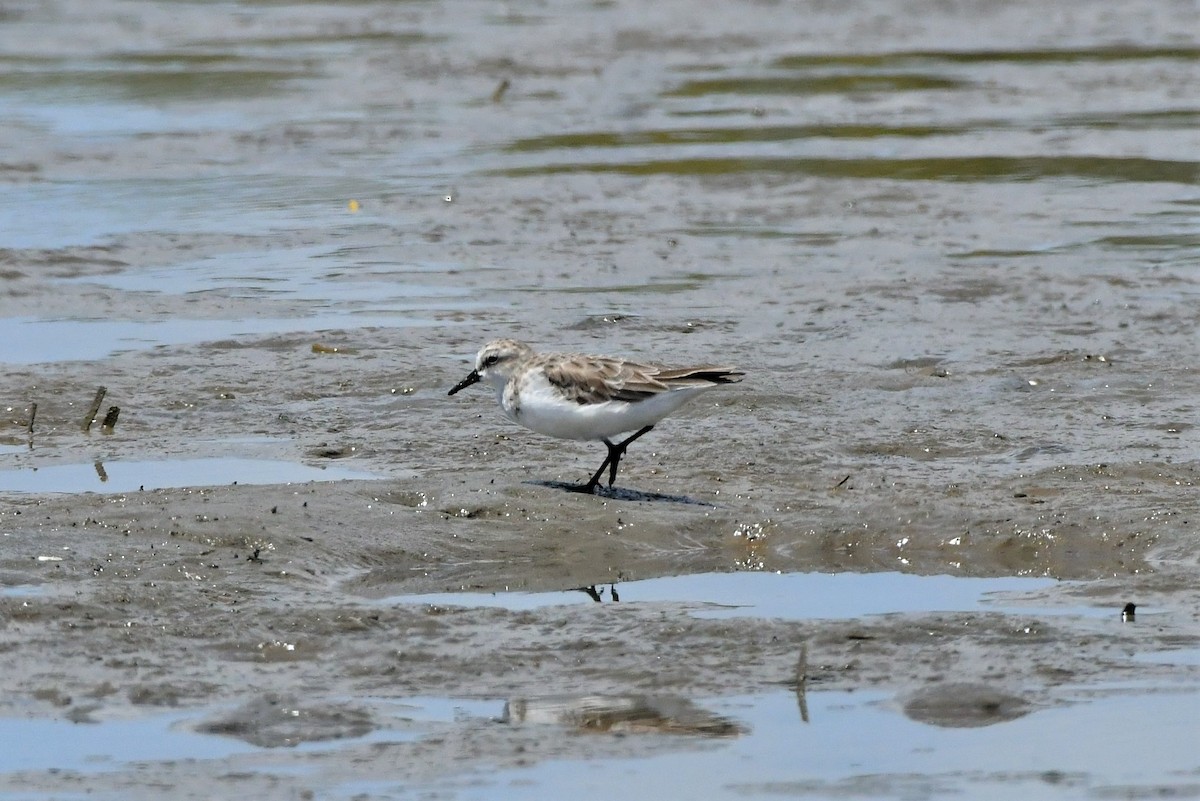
538,405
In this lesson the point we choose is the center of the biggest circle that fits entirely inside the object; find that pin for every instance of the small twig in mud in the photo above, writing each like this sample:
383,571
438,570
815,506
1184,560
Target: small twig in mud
110,419
254,556
840,483
501,88
95,409
32,417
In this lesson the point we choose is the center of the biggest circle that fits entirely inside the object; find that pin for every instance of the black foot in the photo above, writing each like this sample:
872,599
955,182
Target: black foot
615,452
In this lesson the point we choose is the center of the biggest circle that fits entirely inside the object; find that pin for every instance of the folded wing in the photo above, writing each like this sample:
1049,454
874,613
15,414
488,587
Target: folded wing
595,379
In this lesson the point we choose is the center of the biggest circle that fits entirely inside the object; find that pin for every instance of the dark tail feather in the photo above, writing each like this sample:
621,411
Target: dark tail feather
721,376
705,374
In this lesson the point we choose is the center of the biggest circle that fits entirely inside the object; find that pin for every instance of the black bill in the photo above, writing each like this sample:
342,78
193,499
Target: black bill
472,378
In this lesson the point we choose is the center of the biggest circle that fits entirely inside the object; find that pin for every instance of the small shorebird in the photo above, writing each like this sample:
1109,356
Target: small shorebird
574,396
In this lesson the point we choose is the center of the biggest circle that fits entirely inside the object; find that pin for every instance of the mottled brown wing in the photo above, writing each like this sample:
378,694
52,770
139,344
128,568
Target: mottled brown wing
589,379
595,379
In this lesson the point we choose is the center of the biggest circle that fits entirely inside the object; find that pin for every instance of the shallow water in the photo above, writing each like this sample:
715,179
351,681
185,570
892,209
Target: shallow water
38,341
120,476
816,744
97,744
791,596
1185,656
40,745
857,743
955,252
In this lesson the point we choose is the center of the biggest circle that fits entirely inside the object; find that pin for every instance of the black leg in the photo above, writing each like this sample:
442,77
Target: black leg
615,452
594,481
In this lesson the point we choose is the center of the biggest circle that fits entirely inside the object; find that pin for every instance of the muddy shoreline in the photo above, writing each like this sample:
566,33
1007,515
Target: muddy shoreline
233,603
954,254
213,603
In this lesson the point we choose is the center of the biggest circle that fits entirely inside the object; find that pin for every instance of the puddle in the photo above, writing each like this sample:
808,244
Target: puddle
41,745
781,744
341,289
104,745
792,596
31,340
150,475
305,724
1184,656
65,213
341,277
22,591
840,744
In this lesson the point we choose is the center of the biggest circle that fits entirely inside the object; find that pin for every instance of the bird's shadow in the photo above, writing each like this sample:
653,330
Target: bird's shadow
622,494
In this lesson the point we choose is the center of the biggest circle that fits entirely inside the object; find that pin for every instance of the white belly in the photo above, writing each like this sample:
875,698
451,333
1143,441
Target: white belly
544,410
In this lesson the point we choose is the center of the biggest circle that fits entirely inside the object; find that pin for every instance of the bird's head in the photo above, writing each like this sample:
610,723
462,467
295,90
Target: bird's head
495,363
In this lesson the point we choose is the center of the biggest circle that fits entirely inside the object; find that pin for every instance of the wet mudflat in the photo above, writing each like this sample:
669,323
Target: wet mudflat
954,251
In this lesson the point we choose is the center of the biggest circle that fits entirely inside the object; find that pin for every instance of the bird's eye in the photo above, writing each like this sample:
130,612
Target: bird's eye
491,359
